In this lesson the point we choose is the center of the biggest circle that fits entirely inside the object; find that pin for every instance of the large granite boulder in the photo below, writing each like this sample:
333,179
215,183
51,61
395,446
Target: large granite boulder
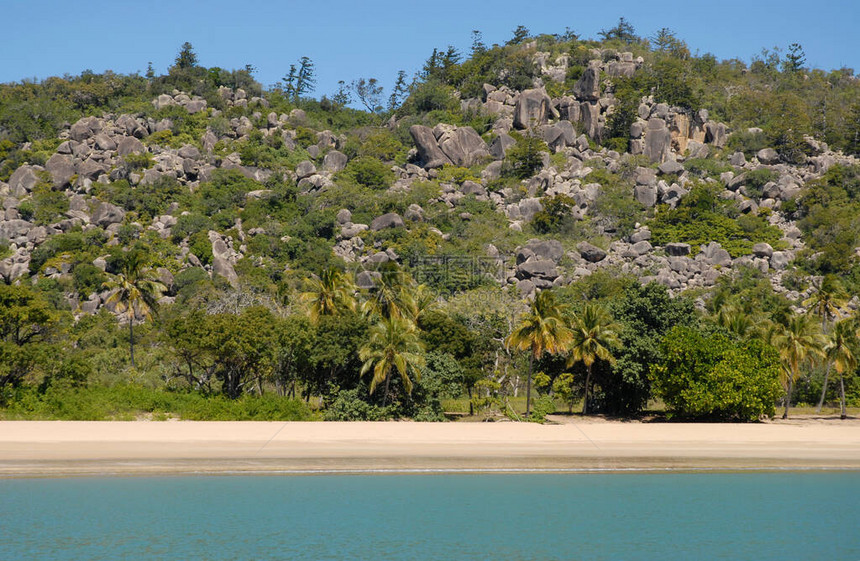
85,128
428,149
390,220
587,88
106,214
533,109
23,180
61,168
462,145
658,140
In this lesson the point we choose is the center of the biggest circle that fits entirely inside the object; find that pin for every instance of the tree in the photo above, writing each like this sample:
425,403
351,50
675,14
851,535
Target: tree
798,341
829,297
399,92
242,347
521,33
623,31
840,353
594,333
369,93
478,45
330,294
393,344
542,330
300,81
707,374
135,291
186,58
25,320
795,59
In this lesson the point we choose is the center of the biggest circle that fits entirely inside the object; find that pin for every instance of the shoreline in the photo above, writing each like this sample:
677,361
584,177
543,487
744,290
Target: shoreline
124,448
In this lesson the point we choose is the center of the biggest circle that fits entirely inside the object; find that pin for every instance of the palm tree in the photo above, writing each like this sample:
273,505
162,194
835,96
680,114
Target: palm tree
839,353
393,343
330,294
797,341
542,330
825,303
134,292
593,333
392,295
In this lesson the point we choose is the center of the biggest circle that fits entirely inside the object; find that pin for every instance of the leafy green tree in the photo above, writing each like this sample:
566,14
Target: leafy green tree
623,31
594,333
300,80
186,58
840,351
520,34
134,291
794,59
798,341
542,330
399,92
242,348
393,344
709,375
25,322
369,92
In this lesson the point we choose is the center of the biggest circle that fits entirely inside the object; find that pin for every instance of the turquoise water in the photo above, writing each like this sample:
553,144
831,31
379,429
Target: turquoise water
759,515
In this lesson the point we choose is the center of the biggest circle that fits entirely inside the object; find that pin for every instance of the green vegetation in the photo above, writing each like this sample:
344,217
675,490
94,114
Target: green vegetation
231,289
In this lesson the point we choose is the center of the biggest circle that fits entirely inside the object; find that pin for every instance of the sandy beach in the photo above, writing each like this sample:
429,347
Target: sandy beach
63,448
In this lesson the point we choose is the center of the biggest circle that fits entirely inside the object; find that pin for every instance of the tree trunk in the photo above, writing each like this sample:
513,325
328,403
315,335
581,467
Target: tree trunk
131,337
471,406
587,385
529,386
823,390
788,398
385,396
842,415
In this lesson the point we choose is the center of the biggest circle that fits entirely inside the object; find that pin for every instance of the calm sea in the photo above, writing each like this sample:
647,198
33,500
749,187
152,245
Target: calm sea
759,515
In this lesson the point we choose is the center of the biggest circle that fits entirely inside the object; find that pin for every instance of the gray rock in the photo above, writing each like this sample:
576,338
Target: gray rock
23,180
779,260
641,247
546,249
523,254
472,188
344,216
540,268
640,235
658,140
129,145
305,169
189,151
533,108
11,229
646,195
762,250
738,159
587,88
590,116
104,142
670,167
334,161
195,106
85,128
568,108
61,169
390,220
590,253
428,149
716,134
462,145
767,156
500,145
106,214
677,249
526,287
621,69
716,255
529,207
90,169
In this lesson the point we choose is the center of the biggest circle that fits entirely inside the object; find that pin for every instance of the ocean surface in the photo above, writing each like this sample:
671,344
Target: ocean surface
619,516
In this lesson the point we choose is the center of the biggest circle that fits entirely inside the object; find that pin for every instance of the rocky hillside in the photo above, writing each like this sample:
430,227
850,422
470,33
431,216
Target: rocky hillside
550,162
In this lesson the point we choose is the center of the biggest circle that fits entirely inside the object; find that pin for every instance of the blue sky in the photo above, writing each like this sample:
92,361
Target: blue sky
351,39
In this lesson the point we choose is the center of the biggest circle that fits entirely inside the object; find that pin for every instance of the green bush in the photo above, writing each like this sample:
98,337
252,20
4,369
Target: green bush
368,172
708,375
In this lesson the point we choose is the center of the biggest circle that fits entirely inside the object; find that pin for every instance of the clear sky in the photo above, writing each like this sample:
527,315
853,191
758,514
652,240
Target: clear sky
349,39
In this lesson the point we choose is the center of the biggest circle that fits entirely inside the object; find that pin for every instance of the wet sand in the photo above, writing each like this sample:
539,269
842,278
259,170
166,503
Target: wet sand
64,448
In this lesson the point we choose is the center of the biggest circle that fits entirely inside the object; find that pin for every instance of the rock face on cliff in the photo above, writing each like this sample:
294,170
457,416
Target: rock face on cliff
447,144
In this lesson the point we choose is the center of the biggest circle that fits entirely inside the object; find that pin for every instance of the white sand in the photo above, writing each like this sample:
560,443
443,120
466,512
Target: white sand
33,448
